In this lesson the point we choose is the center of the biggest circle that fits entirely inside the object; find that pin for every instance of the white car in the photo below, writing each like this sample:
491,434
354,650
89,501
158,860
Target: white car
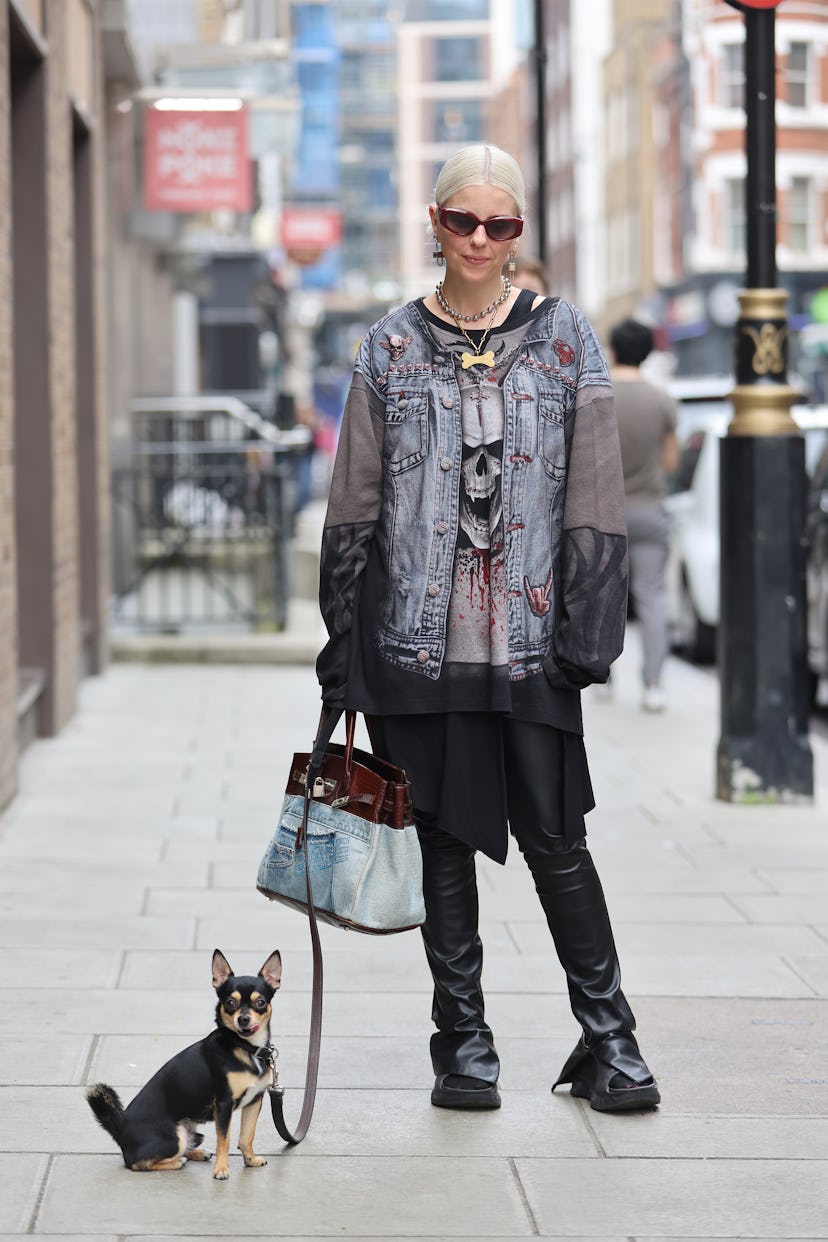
693,509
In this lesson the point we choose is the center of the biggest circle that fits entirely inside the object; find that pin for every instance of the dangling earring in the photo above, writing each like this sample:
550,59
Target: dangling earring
437,253
511,265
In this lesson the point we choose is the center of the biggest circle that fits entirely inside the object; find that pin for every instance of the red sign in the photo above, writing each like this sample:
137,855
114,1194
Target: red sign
754,4
316,228
196,161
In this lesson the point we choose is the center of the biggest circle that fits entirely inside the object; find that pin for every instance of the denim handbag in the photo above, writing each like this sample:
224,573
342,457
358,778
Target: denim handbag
347,818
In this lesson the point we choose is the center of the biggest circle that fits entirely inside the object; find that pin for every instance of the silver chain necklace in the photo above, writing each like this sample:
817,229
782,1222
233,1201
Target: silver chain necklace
487,310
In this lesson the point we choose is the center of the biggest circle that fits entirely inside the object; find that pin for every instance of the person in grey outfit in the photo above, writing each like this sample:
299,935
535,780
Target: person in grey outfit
649,452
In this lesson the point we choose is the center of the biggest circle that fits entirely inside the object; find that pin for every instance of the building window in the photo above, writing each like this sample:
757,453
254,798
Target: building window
457,120
796,75
734,196
445,10
458,60
617,125
799,213
732,76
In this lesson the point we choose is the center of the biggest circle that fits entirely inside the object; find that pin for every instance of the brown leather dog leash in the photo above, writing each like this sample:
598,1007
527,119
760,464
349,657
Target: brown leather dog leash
327,725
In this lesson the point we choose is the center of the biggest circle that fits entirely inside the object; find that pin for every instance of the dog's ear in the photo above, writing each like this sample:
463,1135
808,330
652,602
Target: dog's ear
271,971
222,970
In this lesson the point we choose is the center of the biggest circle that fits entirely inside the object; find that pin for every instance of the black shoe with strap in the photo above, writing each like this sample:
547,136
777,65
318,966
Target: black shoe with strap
610,1072
463,1091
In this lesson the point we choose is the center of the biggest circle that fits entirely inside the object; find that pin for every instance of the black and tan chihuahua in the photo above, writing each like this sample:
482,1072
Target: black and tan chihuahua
229,1069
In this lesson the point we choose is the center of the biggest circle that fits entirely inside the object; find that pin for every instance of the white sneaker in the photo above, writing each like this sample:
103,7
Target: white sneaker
653,699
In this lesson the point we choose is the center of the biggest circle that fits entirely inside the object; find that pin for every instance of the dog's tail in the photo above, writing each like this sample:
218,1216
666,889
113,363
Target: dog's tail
107,1107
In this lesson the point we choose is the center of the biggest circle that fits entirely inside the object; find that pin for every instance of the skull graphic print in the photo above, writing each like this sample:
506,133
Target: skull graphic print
477,631
481,506
480,500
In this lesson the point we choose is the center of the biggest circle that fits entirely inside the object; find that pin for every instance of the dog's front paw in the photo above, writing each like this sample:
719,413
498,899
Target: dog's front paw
221,1173
254,1162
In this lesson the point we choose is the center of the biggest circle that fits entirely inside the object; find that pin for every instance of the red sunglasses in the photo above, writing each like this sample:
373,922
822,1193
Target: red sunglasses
464,223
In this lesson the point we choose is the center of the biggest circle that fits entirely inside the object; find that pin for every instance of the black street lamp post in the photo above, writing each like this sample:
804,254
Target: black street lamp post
764,752
540,124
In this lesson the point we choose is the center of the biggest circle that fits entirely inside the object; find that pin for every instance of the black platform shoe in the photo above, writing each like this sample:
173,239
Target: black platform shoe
611,1074
460,1091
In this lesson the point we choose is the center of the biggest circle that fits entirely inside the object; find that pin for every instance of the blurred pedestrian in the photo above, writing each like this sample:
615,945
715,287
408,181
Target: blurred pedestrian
473,581
649,453
529,273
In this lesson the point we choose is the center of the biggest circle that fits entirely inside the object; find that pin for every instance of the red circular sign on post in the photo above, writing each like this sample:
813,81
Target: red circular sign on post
753,4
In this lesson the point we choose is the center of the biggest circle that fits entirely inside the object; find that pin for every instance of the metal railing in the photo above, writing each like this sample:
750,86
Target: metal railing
203,506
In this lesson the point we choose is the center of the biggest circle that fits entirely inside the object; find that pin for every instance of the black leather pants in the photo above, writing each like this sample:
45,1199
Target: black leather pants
463,1042
570,893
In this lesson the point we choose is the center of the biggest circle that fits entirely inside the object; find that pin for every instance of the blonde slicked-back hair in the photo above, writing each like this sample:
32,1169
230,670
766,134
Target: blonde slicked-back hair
481,164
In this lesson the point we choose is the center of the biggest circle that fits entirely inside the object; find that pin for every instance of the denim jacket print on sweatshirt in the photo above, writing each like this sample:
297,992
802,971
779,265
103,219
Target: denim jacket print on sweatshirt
396,486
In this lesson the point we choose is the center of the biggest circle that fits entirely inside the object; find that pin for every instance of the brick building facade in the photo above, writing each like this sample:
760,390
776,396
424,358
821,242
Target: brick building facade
54,472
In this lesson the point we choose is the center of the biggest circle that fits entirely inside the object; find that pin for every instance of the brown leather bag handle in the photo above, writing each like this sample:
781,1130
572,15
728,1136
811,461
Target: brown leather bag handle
350,729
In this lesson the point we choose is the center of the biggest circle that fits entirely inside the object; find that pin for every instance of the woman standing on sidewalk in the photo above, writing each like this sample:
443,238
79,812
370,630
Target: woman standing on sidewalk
473,580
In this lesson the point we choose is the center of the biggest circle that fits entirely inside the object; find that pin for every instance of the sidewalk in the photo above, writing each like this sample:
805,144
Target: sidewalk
131,853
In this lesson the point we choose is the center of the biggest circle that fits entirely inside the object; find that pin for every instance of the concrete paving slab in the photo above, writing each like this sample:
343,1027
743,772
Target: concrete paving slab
259,924
680,878
373,1122
798,908
681,1136
82,968
79,932
158,1237
796,879
208,905
729,880
746,827
697,1050
737,975
674,908
71,1237
344,971
62,844
60,880
237,859
531,937
79,1011
334,1197
148,801
90,831
63,1062
21,1178
814,971
403,1122
365,1063
50,1119
763,854
641,1198
101,901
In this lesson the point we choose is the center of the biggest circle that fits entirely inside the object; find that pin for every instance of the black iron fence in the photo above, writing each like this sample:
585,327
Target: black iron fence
203,503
